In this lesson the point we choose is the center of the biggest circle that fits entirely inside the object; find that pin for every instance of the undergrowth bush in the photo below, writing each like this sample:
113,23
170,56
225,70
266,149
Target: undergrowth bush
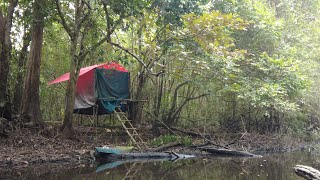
169,138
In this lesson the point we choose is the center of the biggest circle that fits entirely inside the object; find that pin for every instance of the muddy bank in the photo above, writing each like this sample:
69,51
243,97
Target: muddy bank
27,147
35,153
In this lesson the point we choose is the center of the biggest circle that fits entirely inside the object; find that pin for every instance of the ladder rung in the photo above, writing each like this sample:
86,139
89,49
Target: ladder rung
134,135
142,142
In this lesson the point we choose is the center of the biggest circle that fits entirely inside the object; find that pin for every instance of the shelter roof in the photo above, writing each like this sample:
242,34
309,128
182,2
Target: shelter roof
112,65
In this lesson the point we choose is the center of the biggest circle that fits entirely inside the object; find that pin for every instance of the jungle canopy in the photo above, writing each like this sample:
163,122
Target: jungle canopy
100,85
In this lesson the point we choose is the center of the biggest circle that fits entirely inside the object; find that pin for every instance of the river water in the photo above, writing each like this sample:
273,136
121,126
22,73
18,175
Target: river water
272,166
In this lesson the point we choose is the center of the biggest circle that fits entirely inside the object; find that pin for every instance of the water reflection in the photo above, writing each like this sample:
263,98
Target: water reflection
110,165
273,167
213,168
276,166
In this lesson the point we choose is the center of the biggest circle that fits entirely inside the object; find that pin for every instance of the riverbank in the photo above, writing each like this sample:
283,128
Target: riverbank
34,148
27,148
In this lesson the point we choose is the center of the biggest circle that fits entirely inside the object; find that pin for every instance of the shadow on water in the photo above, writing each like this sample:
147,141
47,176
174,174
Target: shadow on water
273,167
110,165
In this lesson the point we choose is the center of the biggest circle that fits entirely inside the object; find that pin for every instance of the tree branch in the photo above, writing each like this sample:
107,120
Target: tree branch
104,2
93,47
197,97
63,21
87,4
187,100
174,99
178,110
85,17
136,57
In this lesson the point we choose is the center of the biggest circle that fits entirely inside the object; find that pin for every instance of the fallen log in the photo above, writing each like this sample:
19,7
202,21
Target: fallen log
307,172
227,152
146,155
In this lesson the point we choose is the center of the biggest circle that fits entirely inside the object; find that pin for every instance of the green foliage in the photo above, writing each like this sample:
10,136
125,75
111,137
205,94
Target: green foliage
257,61
186,140
270,83
171,12
297,121
212,31
169,138
165,139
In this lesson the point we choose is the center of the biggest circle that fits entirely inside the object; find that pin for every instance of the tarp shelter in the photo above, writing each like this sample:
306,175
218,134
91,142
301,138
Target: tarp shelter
102,85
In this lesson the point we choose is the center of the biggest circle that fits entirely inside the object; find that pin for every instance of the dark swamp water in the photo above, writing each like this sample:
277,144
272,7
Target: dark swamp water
273,167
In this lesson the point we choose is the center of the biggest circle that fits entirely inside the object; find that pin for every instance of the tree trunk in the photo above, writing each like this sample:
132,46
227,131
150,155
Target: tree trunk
173,107
138,107
159,98
31,100
5,51
67,128
77,31
157,103
22,59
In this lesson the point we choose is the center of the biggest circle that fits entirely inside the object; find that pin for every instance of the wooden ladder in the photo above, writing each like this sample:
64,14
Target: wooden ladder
130,130
132,171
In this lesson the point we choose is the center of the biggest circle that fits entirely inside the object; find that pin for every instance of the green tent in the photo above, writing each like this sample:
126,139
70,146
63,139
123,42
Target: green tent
100,88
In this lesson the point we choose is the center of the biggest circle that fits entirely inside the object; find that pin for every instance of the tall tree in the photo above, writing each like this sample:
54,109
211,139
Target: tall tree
77,25
22,58
128,10
73,28
30,110
5,50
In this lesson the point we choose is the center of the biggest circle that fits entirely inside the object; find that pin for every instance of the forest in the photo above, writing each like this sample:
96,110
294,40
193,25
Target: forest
232,66
220,64
223,71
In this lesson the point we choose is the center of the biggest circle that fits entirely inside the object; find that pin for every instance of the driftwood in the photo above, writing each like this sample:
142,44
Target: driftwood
227,152
307,172
165,147
147,155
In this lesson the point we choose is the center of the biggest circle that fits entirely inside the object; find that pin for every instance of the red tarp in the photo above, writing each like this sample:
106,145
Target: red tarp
112,65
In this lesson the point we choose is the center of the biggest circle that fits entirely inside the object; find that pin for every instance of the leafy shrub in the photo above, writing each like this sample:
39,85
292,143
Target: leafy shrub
169,138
